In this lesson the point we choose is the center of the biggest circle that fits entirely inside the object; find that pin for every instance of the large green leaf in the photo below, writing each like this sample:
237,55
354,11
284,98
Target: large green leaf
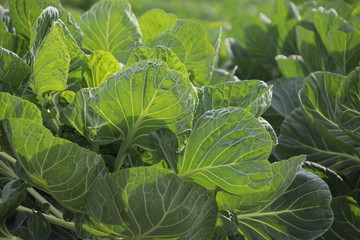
57,166
111,26
14,72
284,173
151,203
300,134
51,40
11,196
346,219
80,115
254,96
51,56
302,212
143,97
347,108
199,53
154,22
158,53
99,67
228,150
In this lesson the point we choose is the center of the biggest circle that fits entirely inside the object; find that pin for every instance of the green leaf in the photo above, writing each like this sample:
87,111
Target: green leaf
56,166
228,150
312,50
14,43
39,226
11,196
24,14
284,173
301,212
342,47
347,108
147,203
158,53
15,107
284,100
80,115
326,21
110,26
346,219
172,42
166,144
14,72
199,53
51,63
301,135
143,97
292,66
154,22
99,67
254,96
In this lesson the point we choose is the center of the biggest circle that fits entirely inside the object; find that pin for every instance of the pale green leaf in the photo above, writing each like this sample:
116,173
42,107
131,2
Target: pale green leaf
51,63
154,22
57,166
228,150
99,67
14,72
147,203
111,26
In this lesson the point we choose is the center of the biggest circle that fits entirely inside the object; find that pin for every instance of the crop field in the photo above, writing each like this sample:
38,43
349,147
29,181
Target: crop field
179,120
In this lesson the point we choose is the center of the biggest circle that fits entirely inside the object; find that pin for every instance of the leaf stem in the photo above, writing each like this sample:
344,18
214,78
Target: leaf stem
8,157
10,172
42,200
50,218
120,157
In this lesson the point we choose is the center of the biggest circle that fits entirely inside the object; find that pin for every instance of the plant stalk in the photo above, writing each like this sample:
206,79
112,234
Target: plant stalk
8,157
10,172
42,200
50,218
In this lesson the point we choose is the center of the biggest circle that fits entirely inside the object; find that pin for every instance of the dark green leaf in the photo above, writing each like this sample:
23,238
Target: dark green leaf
166,144
147,203
39,226
292,66
301,212
14,72
346,219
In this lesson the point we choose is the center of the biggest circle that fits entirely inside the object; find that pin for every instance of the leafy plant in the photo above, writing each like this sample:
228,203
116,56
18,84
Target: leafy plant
315,56
106,134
